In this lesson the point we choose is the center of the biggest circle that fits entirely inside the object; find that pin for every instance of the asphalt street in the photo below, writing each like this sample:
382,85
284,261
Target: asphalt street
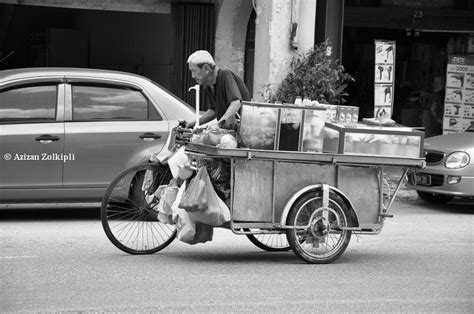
54,261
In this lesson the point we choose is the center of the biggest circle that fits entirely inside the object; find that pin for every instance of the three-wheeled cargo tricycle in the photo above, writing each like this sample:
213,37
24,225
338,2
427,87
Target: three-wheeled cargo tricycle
310,203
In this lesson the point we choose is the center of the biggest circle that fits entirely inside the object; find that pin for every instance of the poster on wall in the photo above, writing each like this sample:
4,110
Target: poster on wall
459,99
384,78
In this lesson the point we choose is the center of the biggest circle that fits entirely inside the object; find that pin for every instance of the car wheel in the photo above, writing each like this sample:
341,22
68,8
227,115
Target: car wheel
435,198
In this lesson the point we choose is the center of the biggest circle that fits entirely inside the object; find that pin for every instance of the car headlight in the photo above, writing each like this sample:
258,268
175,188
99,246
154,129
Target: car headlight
457,160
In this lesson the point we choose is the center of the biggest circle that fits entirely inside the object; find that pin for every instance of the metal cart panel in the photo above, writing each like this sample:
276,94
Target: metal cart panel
252,190
361,186
291,177
256,181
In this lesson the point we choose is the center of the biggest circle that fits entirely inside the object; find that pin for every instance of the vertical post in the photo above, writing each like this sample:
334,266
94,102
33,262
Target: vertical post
197,89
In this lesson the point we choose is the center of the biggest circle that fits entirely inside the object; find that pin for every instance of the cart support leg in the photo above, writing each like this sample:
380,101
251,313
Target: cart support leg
325,202
395,194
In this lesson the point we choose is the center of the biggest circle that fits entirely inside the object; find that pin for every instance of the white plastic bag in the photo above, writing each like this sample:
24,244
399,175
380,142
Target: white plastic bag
217,213
179,159
192,232
179,196
186,228
195,197
168,196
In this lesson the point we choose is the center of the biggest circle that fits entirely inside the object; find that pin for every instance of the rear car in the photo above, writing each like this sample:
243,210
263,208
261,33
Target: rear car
65,133
449,168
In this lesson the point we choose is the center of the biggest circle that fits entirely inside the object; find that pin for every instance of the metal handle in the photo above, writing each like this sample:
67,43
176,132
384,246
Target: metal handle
47,137
149,135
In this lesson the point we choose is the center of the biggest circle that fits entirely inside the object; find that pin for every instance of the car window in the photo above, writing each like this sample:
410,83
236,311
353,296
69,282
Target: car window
28,103
110,103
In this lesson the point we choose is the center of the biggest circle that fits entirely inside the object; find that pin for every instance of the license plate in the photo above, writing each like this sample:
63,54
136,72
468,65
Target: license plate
423,179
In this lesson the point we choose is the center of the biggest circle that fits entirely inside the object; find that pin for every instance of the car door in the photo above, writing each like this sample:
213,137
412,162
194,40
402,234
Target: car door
31,138
109,128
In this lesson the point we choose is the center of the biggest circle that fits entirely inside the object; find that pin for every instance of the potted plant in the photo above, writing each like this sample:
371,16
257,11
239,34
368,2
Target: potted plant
314,75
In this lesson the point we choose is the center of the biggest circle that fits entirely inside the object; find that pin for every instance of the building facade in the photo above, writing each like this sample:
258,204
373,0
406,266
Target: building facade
255,38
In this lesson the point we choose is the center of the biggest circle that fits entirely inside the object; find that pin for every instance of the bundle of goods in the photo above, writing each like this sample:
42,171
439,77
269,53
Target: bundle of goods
218,137
193,199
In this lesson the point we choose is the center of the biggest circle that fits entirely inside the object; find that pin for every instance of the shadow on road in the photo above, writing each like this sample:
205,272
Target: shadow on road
457,206
25,214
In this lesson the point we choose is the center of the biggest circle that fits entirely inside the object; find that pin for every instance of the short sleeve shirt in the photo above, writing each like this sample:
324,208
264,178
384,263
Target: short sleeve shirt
228,87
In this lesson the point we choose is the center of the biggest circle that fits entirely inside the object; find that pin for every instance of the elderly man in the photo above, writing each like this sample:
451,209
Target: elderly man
223,90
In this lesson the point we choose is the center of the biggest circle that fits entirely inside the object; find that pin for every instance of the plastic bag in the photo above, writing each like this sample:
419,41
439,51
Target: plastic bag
191,232
216,212
176,202
179,159
168,196
186,228
195,197
228,141
203,234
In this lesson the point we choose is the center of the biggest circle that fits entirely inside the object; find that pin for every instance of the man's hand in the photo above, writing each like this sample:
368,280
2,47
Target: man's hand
229,124
182,123
190,124
222,124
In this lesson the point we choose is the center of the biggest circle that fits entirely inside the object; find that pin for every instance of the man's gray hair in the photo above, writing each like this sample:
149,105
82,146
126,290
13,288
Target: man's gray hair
201,57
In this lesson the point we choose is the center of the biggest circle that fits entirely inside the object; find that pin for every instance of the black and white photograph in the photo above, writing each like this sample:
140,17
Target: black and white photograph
236,156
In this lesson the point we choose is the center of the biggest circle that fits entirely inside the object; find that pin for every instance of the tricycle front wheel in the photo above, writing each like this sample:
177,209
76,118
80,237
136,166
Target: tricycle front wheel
323,239
128,212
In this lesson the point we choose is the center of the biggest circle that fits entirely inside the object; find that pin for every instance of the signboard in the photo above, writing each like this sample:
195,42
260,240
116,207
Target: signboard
384,78
459,99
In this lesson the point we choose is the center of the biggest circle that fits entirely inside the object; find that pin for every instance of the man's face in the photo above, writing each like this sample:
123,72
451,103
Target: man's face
203,76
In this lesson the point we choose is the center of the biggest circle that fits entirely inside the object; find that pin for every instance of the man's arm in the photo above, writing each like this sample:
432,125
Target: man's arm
234,107
206,117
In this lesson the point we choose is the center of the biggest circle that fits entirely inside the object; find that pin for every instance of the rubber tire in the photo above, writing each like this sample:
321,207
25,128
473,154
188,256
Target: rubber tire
435,198
297,244
136,211
265,246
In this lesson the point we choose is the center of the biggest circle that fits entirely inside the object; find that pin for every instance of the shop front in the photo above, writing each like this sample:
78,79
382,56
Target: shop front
426,34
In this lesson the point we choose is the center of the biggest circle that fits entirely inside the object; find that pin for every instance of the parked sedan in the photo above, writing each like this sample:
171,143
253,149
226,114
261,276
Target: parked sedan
449,168
65,133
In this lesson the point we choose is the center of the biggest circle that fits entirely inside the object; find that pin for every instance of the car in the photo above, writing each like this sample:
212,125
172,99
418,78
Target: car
66,133
449,168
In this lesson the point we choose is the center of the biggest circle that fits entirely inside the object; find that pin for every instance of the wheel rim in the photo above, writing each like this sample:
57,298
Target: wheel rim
130,219
324,236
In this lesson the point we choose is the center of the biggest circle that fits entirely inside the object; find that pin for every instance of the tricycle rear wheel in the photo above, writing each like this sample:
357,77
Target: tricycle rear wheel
323,240
270,242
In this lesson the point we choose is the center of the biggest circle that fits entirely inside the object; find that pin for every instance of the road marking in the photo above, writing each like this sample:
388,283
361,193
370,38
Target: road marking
17,257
